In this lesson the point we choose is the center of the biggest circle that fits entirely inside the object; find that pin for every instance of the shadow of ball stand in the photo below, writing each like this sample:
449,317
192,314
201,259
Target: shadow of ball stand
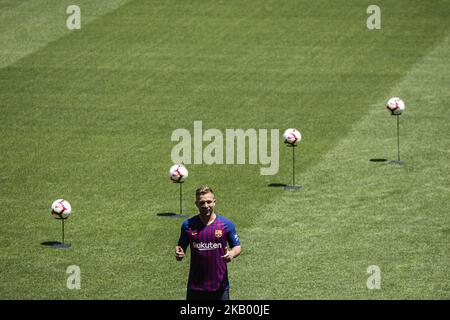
293,186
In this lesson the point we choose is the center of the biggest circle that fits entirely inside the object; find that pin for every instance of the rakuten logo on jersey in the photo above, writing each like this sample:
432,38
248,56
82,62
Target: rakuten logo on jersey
206,246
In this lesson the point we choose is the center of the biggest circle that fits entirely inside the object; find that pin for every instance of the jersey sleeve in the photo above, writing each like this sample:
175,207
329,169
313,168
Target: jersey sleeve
232,237
183,241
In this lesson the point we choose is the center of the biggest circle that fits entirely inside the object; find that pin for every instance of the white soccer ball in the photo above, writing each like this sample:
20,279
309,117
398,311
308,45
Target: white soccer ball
395,105
178,173
61,209
292,136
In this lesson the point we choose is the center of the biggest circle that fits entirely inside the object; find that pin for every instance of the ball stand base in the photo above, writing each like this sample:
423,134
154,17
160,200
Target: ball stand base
397,162
60,245
293,187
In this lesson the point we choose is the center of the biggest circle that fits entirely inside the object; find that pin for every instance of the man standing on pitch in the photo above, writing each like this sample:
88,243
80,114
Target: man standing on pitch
207,234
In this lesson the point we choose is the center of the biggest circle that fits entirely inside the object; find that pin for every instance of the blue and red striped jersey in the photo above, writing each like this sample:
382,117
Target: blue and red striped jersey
208,271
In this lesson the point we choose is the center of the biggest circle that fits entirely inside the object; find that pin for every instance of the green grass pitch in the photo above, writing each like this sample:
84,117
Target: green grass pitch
87,115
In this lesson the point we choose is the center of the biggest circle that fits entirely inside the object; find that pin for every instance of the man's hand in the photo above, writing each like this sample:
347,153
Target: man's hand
228,255
179,253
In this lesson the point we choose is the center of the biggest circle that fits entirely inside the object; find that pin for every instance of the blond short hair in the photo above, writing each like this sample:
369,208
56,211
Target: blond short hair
204,190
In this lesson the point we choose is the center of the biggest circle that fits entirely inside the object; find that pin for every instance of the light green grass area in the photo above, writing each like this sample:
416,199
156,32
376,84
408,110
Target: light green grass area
87,115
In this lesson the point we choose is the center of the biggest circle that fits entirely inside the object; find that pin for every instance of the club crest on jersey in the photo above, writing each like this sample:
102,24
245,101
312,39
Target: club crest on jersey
218,233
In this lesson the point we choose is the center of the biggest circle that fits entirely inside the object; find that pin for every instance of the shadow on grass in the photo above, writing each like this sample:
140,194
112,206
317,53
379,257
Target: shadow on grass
50,243
378,160
277,185
172,215
56,244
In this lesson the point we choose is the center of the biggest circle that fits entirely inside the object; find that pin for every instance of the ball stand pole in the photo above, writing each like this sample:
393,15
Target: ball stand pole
293,186
398,161
61,245
181,197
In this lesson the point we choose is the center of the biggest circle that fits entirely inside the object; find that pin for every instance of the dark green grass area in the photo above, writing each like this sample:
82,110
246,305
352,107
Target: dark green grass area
89,117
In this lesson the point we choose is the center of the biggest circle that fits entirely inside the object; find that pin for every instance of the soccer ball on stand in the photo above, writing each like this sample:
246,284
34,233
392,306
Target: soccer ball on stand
61,210
178,174
396,106
292,137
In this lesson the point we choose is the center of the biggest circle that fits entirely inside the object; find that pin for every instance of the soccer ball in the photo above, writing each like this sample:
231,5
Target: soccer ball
395,105
61,209
292,137
178,173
